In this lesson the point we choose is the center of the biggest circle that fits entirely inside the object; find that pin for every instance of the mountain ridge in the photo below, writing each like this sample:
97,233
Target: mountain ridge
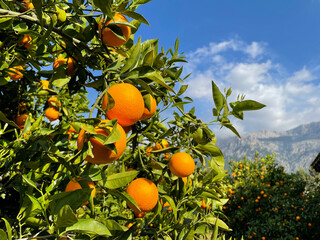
294,148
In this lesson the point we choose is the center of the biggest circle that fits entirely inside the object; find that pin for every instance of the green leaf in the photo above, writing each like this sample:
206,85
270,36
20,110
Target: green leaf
30,182
172,205
126,197
60,78
36,222
213,151
157,78
216,221
136,16
248,105
74,199
38,6
89,227
229,125
118,180
105,6
113,226
133,57
182,89
218,98
8,227
6,120
66,217
3,235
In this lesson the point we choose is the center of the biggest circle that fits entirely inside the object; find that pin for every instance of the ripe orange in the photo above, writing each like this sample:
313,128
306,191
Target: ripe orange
70,131
28,4
61,60
25,40
166,205
74,185
129,104
145,193
44,83
52,114
102,154
20,119
108,36
146,113
203,204
52,102
165,143
181,164
15,74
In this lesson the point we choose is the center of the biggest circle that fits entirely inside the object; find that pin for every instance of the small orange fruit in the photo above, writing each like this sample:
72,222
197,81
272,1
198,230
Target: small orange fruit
153,103
109,37
61,60
20,119
166,205
25,40
203,204
129,104
28,4
70,131
15,73
165,143
145,193
181,164
102,154
44,83
52,114
75,185
52,102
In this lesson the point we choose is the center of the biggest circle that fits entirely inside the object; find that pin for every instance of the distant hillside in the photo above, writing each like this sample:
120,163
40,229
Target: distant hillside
294,149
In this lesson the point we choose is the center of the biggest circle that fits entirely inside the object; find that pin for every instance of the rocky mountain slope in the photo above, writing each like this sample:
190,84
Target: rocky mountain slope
294,149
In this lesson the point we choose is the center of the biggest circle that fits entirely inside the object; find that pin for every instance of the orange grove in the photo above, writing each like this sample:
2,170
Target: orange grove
109,37
181,164
145,193
102,154
128,104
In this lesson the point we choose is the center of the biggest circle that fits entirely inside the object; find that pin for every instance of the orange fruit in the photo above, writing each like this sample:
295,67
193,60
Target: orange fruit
75,185
44,83
145,193
129,104
102,154
25,40
165,143
15,74
146,113
127,129
52,114
109,37
203,204
20,119
28,4
52,102
61,60
166,205
70,131
181,164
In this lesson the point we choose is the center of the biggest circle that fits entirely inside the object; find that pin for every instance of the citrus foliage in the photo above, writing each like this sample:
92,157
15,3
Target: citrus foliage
265,201
52,55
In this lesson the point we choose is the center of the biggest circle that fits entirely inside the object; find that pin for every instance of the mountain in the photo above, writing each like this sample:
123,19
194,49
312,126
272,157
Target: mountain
294,149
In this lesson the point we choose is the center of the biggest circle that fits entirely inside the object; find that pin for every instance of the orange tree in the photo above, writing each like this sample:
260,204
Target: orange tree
81,169
266,202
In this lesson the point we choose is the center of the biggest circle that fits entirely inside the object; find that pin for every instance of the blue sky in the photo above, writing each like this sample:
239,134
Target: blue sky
268,50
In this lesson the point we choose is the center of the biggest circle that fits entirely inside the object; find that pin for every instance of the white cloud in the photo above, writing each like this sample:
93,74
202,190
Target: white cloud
291,98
